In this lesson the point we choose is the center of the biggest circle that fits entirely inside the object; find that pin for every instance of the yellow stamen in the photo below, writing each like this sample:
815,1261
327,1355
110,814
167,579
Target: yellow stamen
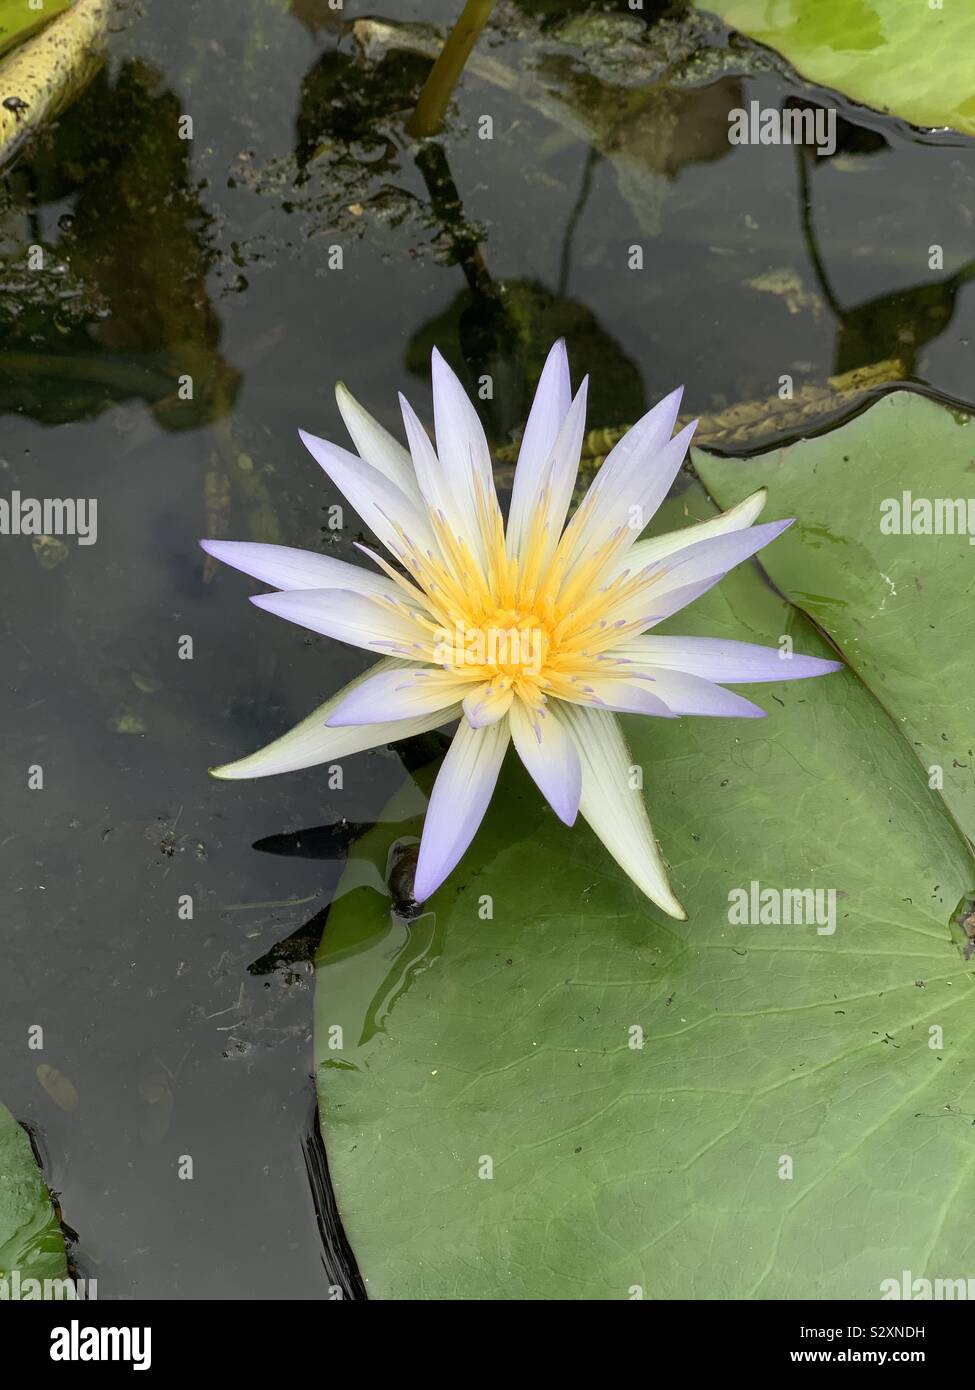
530,626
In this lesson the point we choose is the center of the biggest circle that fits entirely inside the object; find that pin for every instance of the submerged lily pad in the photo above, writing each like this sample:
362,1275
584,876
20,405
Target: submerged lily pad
912,60
544,1089
30,1235
899,605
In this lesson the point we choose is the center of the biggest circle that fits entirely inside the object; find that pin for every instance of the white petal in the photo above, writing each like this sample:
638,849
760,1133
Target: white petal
549,753
729,663
634,479
375,444
549,409
656,602
677,580
381,504
461,443
312,741
559,477
486,704
615,810
357,619
715,555
656,547
686,694
625,696
288,568
461,793
436,487
398,694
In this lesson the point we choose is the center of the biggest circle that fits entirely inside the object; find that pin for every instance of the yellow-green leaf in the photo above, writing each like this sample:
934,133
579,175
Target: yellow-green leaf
904,57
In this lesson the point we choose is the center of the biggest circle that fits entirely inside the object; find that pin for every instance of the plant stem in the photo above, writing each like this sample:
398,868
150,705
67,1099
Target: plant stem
430,109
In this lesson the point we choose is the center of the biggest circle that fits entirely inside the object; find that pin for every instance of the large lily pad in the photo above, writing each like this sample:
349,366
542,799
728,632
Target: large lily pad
786,1128
910,59
30,1237
900,606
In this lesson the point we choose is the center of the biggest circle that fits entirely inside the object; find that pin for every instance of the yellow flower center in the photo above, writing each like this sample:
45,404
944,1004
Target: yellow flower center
537,624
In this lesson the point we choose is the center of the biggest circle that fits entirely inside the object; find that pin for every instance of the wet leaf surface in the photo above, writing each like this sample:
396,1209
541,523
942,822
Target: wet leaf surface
910,60
31,1243
867,563
542,1088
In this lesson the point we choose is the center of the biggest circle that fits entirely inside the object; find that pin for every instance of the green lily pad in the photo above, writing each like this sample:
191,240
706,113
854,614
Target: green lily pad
31,1243
899,606
908,59
699,1109
18,21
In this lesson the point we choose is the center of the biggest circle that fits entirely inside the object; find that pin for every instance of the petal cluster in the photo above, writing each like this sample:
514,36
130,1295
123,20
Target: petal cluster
537,631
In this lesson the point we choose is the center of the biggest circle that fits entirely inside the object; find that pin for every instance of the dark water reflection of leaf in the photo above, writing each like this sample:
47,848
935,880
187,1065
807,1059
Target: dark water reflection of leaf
648,94
349,118
120,308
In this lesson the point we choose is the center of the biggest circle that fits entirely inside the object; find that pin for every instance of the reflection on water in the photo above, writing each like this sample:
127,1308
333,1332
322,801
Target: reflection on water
108,302
186,312
896,325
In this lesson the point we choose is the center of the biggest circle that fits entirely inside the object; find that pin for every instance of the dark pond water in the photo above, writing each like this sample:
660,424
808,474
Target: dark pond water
212,257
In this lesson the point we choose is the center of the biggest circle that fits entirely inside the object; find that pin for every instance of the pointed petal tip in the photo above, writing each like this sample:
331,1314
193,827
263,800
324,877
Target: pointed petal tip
667,900
664,898
265,601
225,551
313,441
439,366
425,884
773,530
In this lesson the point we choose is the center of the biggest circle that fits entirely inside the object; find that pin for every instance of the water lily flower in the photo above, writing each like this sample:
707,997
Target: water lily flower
536,632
